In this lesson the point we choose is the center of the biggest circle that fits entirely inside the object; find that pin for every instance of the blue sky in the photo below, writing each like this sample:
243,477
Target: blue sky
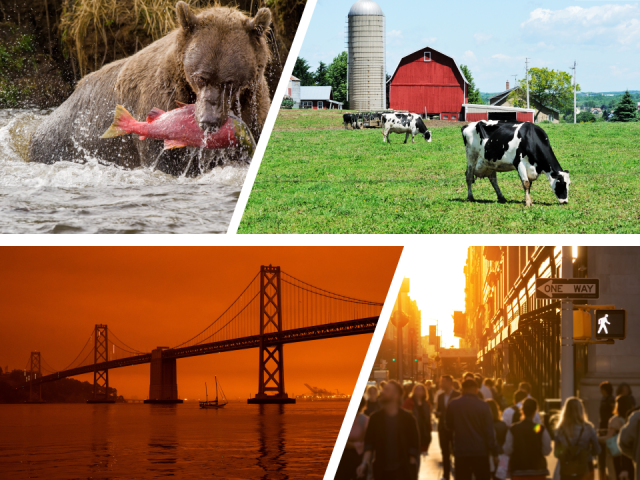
494,37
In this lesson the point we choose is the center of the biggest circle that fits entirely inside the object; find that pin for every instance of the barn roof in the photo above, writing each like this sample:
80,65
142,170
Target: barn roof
497,98
433,50
315,93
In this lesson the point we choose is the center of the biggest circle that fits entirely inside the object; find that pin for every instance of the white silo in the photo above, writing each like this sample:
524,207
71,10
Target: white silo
366,47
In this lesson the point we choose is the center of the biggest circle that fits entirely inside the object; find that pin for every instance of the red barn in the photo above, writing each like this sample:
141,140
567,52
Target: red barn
428,79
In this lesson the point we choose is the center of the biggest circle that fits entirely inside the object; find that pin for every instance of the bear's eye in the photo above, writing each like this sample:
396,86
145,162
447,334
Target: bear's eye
200,82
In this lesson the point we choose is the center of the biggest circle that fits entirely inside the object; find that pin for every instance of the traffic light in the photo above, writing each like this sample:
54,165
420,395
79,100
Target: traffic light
611,324
581,325
415,359
394,360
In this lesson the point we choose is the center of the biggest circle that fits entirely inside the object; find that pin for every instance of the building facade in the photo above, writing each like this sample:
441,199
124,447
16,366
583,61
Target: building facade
429,82
518,336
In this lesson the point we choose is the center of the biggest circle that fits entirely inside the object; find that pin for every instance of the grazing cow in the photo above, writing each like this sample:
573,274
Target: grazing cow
350,119
494,146
409,123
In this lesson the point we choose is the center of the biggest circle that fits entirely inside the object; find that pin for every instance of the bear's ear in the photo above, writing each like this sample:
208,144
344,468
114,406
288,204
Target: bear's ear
186,18
260,22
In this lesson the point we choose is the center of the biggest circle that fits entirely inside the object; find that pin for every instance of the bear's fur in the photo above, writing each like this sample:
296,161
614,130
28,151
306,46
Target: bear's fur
216,60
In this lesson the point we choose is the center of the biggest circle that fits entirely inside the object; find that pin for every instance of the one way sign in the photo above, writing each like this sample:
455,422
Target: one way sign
573,288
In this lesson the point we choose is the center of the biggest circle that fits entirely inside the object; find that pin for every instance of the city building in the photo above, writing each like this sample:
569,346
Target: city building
518,336
406,312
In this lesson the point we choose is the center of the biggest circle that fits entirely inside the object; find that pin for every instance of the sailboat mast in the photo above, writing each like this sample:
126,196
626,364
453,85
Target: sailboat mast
206,392
216,389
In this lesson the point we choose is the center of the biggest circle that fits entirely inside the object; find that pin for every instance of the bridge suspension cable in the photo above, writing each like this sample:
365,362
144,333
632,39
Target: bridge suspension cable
303,305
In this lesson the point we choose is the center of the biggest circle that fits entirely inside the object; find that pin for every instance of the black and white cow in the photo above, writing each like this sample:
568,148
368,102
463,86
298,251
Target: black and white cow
409,123
350,119
494,146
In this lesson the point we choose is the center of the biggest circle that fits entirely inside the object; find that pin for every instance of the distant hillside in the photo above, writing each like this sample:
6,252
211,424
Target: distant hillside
587,99
13,389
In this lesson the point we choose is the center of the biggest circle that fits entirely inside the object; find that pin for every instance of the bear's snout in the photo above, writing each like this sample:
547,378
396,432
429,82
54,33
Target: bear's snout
210,120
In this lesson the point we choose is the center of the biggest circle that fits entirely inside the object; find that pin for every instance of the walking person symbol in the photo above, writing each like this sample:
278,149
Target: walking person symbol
602,324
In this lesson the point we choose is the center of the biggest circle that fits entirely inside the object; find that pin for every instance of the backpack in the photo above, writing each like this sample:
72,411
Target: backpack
574,461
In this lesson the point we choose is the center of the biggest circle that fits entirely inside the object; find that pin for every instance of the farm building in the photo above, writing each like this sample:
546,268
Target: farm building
473,113
541,112
429,81
318,98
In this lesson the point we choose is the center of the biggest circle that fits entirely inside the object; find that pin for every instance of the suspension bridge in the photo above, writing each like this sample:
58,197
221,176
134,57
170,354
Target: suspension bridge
274,309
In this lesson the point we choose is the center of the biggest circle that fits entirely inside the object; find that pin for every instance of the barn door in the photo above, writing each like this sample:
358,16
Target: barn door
504,116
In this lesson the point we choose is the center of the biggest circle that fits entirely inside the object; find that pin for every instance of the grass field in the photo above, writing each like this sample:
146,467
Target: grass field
318,178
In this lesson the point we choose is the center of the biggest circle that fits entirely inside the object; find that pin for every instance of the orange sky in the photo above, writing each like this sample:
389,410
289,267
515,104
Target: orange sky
52,297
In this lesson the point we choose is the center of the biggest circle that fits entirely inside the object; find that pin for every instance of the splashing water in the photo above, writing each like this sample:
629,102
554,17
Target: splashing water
97,197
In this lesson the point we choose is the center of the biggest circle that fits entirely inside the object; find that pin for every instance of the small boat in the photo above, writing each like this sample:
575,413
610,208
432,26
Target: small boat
214,403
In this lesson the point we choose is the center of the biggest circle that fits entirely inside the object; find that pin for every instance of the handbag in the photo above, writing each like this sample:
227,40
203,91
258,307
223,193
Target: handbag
612,445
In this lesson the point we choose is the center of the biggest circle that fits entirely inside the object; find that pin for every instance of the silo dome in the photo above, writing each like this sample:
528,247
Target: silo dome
365,7
366,79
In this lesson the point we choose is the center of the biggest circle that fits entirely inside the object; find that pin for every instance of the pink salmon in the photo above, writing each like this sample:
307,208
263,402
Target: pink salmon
178,128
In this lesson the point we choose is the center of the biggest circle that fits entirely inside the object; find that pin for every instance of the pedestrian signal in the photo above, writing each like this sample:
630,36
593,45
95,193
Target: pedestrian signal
611,324
581,325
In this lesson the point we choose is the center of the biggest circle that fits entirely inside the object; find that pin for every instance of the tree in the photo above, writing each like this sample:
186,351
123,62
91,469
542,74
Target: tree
626,109
337,77
547,87
302,70
474,92
585,117
320,76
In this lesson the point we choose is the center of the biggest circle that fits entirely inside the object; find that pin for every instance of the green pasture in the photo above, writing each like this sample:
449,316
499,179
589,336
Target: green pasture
318,178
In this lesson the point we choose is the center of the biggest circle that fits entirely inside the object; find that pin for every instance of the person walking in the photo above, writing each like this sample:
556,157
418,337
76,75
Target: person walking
373,405
629,438
511,414
474,437
445,436
392,438
527,444
499,470
354,450
576,442
607,405
622,465
625,389
486,388
418,405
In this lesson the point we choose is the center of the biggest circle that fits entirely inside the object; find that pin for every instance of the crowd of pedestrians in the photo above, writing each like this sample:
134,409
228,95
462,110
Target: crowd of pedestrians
487,436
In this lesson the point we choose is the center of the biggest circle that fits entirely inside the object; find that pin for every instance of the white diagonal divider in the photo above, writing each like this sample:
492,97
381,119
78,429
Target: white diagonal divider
271,117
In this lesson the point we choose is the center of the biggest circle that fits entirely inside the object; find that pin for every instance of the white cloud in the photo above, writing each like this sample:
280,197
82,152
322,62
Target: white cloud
502,57
601,25
481,38
469,57
428,41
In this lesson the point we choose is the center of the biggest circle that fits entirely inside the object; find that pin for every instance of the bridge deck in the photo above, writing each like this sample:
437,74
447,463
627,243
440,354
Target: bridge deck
318,332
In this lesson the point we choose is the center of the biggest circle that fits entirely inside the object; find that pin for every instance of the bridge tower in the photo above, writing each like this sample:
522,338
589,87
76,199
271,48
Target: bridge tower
101,377
35,394
271,360
163,386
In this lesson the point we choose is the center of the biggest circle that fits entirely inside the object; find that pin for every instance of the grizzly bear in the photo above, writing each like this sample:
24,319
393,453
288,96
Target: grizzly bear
216,60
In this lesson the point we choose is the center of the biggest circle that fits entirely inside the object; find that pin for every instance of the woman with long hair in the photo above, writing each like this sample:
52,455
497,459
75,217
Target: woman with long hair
498,471
576,442
354,449
418,404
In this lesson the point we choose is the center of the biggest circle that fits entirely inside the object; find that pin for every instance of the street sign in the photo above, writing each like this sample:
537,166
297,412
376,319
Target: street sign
571,288
611,324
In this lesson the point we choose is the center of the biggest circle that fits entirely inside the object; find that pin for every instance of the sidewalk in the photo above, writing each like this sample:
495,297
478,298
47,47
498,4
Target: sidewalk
431,465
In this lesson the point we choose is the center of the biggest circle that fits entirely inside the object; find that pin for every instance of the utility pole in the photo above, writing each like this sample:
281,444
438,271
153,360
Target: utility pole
526,62
575,84
566,334
515,80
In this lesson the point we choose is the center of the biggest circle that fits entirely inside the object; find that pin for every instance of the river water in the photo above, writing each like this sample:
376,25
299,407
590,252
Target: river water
154,441
96,198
